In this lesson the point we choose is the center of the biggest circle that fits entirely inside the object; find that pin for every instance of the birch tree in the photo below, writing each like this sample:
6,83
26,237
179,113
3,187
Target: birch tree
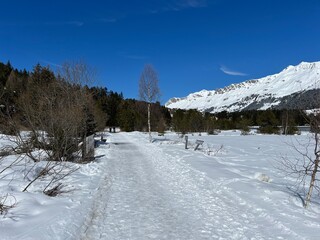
312,166
149,90
305,168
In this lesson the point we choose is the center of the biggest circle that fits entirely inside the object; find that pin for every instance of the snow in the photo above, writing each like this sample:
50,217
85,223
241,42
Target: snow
231,188
293,79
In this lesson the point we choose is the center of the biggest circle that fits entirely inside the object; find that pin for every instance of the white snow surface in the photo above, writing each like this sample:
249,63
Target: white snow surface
235,97
228,189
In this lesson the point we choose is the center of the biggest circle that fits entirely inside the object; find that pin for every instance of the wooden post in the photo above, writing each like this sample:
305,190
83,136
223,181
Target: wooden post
186,138
88,147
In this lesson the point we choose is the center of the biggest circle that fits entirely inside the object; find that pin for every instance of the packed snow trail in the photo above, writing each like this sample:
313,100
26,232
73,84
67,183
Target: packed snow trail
148,194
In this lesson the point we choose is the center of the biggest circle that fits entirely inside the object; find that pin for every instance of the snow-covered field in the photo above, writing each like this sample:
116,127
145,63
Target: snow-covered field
230,188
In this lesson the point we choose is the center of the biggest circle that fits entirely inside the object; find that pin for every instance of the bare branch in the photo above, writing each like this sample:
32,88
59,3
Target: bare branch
148,85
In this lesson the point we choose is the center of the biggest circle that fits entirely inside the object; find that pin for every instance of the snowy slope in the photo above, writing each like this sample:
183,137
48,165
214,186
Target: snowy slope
260,93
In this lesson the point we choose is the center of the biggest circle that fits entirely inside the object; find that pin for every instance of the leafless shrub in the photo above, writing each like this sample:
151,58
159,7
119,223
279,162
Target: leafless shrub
6,165
60,172
51,173
7,202
56,190
211,150
58,114
6,151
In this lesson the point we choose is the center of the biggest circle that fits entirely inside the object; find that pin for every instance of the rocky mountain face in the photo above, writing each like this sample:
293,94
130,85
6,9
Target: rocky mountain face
295,87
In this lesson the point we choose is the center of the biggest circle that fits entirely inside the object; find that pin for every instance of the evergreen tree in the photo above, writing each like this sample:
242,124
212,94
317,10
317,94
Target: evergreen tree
178,122
209,123
268,122
126,117
243,125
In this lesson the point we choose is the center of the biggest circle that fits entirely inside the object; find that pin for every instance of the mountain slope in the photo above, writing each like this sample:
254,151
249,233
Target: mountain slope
294,87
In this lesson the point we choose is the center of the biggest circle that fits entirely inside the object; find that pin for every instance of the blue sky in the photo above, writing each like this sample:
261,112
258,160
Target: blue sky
193,44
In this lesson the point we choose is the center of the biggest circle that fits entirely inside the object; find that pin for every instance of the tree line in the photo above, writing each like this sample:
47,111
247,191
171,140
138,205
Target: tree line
20,89
269,121
108,108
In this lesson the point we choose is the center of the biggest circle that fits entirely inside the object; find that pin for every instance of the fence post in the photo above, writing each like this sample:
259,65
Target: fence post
186,138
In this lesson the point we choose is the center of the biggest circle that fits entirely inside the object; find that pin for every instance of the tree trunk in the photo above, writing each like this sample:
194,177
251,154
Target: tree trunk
313,178
315,169
149,121
287,120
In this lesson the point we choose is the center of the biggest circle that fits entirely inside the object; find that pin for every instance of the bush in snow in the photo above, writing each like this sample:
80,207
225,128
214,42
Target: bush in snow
211,150
7,202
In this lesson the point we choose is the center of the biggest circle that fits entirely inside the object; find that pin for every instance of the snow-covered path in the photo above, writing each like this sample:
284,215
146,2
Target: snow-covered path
147,194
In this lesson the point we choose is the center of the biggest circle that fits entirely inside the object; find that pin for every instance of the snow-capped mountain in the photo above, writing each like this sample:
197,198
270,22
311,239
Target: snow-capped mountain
294,87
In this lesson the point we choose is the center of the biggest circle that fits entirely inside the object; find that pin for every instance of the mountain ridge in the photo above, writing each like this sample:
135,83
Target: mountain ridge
293,83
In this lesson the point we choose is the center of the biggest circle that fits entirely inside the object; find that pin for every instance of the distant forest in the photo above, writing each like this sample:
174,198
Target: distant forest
24,94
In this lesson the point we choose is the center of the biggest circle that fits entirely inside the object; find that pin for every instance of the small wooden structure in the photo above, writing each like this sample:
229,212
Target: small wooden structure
88,147
198,143
112,129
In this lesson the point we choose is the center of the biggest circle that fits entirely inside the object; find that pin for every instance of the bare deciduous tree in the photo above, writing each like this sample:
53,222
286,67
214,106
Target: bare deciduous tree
312,168
57,111
149,90
305,168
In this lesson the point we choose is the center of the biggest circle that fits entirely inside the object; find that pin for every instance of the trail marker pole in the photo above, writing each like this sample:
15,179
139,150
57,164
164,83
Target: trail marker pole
186,138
